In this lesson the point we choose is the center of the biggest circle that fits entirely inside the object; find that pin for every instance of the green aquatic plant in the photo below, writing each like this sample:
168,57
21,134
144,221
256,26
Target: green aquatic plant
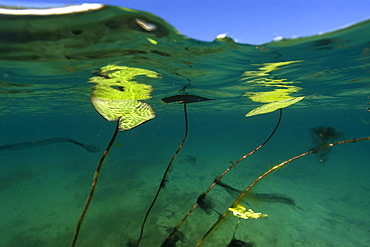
201,199
273,106
280,95
182,99
235,206
240,211
321,136
115,110
116,105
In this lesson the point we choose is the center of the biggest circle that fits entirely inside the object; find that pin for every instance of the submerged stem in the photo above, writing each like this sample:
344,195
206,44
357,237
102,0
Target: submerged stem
164,180
222,175
269,171
93,186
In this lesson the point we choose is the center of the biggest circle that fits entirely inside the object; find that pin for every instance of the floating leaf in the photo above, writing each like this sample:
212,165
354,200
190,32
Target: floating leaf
130,113
115,95
274,106
118,82
274,95
184,98
265,69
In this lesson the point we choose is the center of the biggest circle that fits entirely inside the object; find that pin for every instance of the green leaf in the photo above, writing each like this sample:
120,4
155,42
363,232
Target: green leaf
130,113
274,106
118,82
116,95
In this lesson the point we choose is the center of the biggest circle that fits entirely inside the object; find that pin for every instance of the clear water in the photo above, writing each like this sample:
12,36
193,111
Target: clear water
45,64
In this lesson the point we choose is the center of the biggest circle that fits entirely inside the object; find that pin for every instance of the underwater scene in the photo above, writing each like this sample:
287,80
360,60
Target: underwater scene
117,130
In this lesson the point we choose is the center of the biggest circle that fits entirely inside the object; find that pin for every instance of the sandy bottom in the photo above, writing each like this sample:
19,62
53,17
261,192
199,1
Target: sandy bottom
43,192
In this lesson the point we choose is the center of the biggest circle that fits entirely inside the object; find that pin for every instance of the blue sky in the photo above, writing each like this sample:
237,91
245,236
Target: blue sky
247,21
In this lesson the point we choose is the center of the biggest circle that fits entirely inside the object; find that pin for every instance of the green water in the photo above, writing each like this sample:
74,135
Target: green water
46,63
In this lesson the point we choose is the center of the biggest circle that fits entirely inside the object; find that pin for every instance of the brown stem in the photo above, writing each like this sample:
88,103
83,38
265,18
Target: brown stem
93,186
164,180
223,174
269,171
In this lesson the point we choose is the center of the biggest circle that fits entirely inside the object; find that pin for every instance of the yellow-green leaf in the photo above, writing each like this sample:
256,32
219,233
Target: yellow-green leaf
274,106
129,112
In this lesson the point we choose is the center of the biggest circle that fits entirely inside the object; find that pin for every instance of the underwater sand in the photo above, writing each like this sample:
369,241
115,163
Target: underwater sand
43,189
